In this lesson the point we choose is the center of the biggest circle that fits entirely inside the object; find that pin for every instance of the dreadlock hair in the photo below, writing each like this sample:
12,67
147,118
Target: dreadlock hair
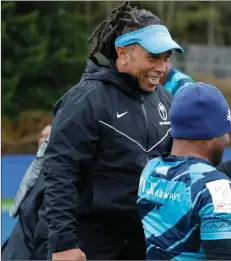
124,19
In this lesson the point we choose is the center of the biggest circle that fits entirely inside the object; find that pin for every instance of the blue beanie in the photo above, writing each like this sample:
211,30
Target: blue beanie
200,112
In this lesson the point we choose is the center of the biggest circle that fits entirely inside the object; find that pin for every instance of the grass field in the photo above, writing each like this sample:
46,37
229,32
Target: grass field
7,203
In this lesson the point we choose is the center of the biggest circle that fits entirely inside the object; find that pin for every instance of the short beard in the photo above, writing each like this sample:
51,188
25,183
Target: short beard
216,157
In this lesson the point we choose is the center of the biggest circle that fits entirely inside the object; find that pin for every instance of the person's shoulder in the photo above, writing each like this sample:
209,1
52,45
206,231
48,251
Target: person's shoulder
214,199
163,164
218,186
216,174
211,186
207,172
79,93
86,87
179,75
83,89
215,178
151,166
201,173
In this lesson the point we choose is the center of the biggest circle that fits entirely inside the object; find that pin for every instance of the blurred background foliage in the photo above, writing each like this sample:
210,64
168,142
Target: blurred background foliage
45,47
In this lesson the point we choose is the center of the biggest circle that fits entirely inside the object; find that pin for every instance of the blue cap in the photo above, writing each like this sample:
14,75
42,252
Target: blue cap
155,39
200,112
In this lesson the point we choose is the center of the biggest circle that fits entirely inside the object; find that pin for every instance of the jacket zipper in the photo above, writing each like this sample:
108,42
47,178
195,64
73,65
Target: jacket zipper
146,118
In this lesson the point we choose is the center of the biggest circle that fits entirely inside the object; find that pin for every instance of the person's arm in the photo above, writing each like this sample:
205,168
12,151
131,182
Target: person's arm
29,179
215,220
72,146
181,84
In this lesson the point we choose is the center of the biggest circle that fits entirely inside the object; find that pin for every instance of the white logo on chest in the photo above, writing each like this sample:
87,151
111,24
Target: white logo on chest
121,115
162,111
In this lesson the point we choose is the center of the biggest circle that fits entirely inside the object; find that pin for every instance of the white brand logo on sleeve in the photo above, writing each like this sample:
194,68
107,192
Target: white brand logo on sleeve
221,195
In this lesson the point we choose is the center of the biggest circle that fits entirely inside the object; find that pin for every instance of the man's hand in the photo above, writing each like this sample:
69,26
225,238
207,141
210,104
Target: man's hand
72,254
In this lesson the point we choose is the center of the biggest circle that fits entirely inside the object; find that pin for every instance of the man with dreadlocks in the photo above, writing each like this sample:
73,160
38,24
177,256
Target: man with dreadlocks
104,131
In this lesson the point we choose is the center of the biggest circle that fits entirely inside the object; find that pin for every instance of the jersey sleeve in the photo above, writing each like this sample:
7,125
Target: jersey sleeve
214,211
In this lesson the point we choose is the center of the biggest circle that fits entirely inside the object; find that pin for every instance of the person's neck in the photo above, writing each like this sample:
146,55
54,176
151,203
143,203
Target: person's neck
186,148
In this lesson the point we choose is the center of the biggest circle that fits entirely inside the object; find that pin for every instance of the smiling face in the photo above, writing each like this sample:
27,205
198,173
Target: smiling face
147,68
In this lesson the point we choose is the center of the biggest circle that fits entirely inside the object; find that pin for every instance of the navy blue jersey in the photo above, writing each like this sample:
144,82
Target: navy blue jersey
183,201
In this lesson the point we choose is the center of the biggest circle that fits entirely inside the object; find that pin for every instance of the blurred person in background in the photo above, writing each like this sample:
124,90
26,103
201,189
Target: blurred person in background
44,134
184,201
175,80
104,131
28,240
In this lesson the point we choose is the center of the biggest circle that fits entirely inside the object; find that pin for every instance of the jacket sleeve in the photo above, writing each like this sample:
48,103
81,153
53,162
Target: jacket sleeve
29,180
71,148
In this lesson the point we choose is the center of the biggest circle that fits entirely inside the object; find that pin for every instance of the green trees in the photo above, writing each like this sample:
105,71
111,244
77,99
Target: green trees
44,44
44,48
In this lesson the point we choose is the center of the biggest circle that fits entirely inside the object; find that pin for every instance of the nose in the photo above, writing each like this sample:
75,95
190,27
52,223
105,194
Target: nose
161,65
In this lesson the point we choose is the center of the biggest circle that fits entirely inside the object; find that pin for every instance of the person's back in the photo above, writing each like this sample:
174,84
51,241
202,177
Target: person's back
180,193
175,80
184,201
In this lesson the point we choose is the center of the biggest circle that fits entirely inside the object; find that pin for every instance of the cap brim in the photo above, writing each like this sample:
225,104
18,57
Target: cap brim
155,39
157,46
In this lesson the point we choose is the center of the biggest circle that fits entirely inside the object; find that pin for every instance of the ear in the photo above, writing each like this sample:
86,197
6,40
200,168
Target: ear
122,54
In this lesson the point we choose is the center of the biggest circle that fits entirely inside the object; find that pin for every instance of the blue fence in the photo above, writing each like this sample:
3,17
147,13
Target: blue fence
13,169
8,224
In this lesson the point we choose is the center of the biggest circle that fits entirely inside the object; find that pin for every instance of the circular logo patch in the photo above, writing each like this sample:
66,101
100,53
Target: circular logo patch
162,111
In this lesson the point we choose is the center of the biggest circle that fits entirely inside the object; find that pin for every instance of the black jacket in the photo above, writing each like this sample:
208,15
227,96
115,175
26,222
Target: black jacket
104,131
28,240
225,167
